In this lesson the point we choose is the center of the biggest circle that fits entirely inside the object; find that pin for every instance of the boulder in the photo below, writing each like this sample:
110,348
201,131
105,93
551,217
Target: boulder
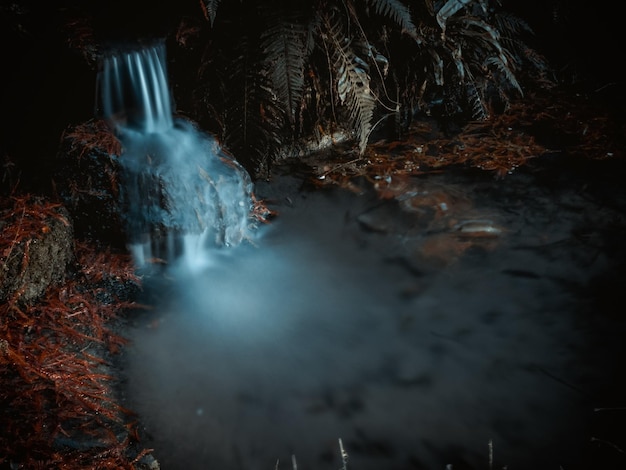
36,247
86,180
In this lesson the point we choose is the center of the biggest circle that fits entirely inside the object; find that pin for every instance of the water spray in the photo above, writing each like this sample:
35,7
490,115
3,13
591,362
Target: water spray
183,195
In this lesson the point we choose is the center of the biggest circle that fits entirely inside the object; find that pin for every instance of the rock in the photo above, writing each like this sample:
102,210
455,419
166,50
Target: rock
86,180
36,246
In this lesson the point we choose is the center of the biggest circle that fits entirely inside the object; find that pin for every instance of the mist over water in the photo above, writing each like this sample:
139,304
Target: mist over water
321,331
409,332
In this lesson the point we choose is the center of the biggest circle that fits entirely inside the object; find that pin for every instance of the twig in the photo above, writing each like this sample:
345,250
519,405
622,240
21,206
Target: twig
610,444
344,455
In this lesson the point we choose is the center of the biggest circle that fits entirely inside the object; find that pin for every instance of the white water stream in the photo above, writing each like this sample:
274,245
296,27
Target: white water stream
183,195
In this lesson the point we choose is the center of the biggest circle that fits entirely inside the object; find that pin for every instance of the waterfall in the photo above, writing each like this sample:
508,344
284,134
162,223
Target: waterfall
183,195
134,91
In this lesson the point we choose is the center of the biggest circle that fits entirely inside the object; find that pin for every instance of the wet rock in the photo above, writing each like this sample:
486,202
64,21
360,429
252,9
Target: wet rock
87,181
36,246
388,217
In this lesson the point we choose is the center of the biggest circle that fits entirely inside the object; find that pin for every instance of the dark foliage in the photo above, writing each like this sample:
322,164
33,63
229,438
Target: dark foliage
275,73
268,76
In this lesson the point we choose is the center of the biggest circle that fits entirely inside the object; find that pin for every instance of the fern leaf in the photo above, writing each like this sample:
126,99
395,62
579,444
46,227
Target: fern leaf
353,82
503,67
398,12
449,9
456,56
437,67
489,33
251,122
509,24
487,36
209,8
285,43
478,109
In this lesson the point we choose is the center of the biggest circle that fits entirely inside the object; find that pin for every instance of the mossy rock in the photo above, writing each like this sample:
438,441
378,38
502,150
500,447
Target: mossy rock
36,247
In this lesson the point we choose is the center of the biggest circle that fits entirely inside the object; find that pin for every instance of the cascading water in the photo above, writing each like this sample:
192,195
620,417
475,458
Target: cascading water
183,195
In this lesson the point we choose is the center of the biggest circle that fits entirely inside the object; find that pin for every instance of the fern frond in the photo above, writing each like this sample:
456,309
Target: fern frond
436,66
456,56
490,39
209,8
398,12
449,9
509,24
352,81
287,51
429,5
506,71
478,110
479,29
252,124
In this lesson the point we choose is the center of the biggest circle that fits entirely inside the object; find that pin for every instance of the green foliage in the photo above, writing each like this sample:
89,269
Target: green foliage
276,72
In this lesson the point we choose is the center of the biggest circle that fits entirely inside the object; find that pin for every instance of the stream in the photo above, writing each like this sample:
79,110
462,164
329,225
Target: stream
473,323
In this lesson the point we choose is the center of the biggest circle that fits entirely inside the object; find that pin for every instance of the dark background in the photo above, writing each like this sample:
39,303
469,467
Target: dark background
48,84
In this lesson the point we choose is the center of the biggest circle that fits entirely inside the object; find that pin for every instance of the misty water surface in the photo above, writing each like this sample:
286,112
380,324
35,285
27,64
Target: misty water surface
342,321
